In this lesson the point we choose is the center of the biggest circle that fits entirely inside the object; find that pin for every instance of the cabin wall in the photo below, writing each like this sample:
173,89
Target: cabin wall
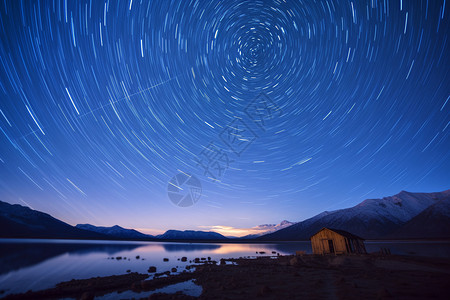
360,247
320,245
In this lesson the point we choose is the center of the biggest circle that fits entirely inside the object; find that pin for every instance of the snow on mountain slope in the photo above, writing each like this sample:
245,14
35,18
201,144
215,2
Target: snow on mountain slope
401,207
274,227
372,218
433,222
267,228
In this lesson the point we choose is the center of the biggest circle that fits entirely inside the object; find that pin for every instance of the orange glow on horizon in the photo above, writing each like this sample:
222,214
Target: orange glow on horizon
222,229
233,231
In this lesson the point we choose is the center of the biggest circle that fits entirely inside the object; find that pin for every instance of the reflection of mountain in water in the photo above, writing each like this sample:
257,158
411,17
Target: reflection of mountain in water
291,248
189,247
14,256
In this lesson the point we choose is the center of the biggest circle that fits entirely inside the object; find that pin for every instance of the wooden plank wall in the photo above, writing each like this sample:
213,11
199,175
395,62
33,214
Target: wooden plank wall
319,242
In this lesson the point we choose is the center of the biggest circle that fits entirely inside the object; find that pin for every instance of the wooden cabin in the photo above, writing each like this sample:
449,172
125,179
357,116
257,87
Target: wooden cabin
335,241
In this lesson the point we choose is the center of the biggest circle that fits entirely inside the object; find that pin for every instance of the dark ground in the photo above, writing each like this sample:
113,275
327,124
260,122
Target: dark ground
284,277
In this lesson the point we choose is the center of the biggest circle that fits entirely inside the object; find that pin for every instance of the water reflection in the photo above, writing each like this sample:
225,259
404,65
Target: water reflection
190,247
14,256
40,264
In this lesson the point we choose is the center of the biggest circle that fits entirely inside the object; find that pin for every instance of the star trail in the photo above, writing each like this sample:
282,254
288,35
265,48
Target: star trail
103,102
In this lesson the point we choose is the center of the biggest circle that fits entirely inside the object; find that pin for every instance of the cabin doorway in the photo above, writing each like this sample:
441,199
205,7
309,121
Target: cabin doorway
331,246
328,246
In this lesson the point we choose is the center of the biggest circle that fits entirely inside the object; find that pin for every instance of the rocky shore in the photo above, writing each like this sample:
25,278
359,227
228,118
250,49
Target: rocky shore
281,277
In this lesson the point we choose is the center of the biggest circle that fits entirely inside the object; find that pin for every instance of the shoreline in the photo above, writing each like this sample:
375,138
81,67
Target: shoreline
228,241
370,276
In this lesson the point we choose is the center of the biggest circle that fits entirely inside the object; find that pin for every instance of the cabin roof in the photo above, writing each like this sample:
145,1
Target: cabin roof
341,232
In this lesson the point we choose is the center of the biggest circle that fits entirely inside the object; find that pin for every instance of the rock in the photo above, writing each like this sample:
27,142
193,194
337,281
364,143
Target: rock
173,270
137,257
383,293
264,290
119,257
152,269
87,296
262,252
209,258
203,258
184,258
165,259
274,252
294,261
146,284
197,260
128,271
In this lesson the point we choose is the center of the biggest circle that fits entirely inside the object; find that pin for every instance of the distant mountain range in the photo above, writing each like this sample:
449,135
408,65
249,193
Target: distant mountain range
405,215
17,221
115,231
191,235
402,216
268,228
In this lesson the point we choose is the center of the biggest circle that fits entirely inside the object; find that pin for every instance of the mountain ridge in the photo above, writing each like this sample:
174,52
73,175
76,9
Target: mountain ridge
190,234
371,219
17,221
115,231
404,215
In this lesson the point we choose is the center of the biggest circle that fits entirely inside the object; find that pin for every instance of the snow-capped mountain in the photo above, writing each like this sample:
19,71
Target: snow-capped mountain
371,219
275,227
115,231
190,235
433,222
267,228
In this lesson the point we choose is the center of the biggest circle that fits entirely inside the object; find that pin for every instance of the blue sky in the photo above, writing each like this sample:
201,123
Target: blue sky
301,107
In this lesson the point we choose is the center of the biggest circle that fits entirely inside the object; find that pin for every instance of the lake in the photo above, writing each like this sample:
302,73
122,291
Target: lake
27,264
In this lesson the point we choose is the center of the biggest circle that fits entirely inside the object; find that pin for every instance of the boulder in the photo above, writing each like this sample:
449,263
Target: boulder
264,290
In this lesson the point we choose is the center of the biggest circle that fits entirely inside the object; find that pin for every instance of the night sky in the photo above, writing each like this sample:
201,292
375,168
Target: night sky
280,109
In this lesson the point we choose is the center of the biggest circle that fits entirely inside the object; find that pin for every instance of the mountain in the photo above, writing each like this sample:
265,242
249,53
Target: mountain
433,222
402,216
190,235
115,231
371,219
267,228
17,221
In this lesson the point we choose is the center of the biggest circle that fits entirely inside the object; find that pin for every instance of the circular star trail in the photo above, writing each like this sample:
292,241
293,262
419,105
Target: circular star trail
103,102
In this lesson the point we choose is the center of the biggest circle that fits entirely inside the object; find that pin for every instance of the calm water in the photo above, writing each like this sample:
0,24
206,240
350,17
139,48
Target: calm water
40,264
